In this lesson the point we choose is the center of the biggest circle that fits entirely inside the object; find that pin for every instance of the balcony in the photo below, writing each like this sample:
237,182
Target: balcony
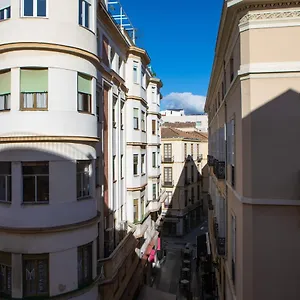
167,160
154,205
199,157
108,267
168,183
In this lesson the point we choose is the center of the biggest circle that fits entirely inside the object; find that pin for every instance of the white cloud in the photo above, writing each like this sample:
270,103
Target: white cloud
192,104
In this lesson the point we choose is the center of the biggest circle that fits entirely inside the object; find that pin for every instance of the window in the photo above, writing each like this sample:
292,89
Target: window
34,89
84,13
83,179
197,150
233,247
121,166
186,196
198,192
153,92
143,78
135,164
154,191
135,210
5,87
231,69
168,175
5,181
143,164
97,172
231,148
35,182
115,99
84,93
193,196
135,73
185,150
143,121
154,159
135,118
5,274
85,264
168,201
34,8
167,151
114,168
121,115
153,127
105,43
98,105
112,58
192,150
36,275
142,206
5,11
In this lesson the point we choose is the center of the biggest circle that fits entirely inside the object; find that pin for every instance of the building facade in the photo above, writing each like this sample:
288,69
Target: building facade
253,210
70,83
183,161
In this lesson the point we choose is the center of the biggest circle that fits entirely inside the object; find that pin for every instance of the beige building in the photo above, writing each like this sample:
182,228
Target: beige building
184,156
253,108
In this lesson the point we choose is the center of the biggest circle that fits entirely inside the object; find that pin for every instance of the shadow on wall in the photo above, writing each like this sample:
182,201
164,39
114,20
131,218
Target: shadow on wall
270,152
46,188
186,209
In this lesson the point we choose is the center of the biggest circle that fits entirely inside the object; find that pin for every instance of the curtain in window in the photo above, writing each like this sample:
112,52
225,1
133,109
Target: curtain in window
5,83
34,81
28,100
84,84
2,102
41,100
80,102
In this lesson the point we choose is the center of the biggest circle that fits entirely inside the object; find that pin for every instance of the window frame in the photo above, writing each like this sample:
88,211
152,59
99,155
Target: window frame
83,173
88,279
36,176
8,183
85,4
143,122
154,160
135,69
34,9
88,96
6,13
153,127
135,164
143,156
36,258
6,265
154,191
168,174
135,118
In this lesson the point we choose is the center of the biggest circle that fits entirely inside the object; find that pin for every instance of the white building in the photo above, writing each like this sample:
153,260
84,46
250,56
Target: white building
178,115
67,109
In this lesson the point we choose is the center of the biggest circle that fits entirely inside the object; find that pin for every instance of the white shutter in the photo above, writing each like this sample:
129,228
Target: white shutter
4,4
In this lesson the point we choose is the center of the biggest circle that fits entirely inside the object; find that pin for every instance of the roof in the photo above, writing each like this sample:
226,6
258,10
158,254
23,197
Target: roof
168,132
180,124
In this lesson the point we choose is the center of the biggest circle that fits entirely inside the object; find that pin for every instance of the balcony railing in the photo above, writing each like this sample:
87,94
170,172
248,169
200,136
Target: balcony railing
168,159
168,183
108,267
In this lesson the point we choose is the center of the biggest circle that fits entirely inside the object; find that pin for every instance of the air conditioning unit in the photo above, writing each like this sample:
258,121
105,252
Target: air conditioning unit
220,170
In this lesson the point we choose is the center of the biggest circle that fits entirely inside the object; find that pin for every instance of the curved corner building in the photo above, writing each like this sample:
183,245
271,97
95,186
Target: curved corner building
48,134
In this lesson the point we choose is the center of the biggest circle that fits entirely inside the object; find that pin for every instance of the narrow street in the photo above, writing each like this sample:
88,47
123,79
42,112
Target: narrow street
168,272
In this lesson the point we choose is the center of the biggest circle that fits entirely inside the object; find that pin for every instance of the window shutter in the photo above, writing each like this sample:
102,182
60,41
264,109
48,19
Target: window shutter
34,81
84,84
5,83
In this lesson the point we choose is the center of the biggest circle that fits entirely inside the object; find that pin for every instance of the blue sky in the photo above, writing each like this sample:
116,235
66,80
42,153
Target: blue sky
180,39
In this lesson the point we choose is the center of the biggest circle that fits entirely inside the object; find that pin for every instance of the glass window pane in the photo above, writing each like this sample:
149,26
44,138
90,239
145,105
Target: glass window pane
28,7
28,189
2,14
42,188
42,266
41,8
87,14
30,275
2,188
8,12
80,13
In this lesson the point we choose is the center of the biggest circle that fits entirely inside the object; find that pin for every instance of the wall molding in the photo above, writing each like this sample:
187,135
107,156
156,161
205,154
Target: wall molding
33,139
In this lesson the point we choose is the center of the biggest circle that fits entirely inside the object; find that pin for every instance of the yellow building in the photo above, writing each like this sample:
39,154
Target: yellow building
254,119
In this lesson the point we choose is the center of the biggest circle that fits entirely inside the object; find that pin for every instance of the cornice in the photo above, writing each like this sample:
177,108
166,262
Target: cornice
137,98
141,53
156,81
33,139
20,46
41,230
272,5
138,188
